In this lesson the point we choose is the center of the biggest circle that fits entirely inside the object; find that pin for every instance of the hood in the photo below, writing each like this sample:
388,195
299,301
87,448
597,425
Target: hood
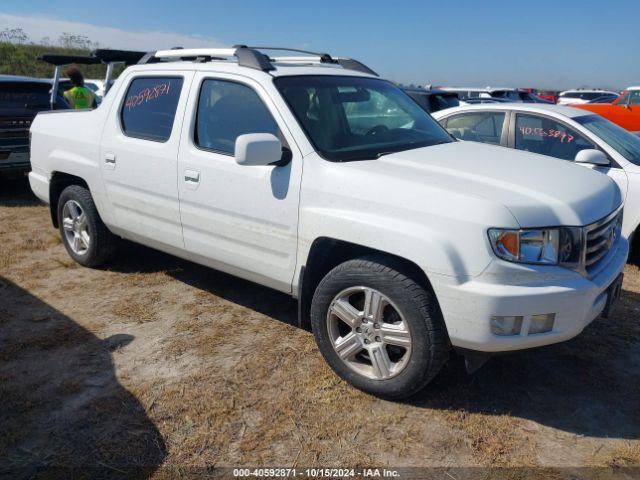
539,191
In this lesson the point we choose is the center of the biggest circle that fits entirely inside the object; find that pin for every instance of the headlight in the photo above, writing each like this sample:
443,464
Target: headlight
545,246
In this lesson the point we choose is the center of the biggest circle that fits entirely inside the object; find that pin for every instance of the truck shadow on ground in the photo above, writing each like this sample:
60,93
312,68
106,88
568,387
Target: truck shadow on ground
63,412
587,386
134,258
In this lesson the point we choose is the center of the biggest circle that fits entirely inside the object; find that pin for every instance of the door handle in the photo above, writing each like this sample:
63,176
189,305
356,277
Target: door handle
192,176
110,160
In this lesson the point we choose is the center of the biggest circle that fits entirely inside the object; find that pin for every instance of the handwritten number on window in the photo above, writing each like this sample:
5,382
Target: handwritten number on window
551,133
148,95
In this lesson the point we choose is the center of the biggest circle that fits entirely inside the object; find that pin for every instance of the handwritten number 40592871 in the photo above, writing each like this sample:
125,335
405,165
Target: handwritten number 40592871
147,95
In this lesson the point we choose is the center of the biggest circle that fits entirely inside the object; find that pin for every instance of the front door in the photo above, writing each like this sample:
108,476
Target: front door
235,218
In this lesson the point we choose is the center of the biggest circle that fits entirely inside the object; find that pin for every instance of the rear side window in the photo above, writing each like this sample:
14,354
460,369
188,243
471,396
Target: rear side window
485,127
227,110
149,107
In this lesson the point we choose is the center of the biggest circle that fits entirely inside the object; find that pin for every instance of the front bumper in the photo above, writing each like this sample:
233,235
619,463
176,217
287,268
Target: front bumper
506,289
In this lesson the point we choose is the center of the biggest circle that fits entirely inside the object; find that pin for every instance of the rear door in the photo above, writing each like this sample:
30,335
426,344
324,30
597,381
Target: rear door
139,157
237,218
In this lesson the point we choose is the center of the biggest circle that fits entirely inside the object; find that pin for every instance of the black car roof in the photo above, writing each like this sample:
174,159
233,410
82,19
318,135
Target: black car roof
424,91
19,78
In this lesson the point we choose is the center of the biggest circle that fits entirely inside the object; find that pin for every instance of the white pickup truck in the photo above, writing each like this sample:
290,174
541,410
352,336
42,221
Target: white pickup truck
313,176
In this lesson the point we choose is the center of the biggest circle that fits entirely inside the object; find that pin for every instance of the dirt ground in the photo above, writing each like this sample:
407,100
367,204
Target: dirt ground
156,365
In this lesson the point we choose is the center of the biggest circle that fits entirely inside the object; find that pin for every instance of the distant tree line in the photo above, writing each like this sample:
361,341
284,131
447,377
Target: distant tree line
66,40
19,54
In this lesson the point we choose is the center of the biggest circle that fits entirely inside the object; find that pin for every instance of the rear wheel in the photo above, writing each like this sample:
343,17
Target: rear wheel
378,328
86,238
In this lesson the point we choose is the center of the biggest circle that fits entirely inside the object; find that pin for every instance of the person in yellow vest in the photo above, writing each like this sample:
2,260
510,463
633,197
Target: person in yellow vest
79,96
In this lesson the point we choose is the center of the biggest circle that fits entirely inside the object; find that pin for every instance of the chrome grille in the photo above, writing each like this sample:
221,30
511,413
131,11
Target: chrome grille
600,238
15,128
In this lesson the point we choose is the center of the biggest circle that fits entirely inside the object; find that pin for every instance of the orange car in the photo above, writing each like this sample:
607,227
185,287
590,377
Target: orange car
625,110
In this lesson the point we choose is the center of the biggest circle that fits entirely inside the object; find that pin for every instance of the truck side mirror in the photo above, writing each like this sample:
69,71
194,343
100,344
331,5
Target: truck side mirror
255,149
593,157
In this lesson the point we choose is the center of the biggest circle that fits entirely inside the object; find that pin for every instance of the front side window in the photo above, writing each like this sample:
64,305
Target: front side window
546,136
484,127
358,118
227,110
149,107
624,98
621,140
634,97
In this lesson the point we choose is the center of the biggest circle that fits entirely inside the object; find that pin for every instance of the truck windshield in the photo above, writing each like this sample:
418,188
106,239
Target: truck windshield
622,141
357,118
24,94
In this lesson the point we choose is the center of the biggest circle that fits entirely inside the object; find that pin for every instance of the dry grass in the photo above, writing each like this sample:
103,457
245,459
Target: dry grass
154,361
138,309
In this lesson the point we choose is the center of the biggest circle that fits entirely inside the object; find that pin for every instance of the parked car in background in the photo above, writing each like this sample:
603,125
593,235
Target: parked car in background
516,95
562,132
508,94
466,93
580,96
623,111
608,98
482,100
397,240
550,95
21,98
432,99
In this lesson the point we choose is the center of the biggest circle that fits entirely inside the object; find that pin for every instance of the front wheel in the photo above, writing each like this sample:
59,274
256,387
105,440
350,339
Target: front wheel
378,328
86,238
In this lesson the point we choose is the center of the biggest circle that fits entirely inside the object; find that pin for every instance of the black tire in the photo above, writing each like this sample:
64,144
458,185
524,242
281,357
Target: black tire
430,348
102,244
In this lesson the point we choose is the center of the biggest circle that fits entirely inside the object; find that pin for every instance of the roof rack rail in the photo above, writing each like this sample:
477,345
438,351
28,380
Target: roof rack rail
251,57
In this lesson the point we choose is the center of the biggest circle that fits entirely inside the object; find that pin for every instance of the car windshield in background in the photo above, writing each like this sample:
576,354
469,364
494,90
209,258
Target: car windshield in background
24,95
358,118
440,102
622,141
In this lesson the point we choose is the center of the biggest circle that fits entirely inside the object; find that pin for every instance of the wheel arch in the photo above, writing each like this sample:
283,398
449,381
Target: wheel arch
325,254
59,181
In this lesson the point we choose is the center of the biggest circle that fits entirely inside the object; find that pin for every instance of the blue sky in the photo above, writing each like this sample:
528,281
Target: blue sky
557,44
